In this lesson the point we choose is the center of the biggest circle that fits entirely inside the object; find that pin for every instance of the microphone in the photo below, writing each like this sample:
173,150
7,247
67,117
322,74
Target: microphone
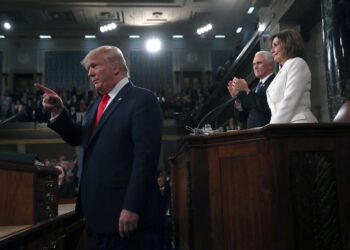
198,130
17,116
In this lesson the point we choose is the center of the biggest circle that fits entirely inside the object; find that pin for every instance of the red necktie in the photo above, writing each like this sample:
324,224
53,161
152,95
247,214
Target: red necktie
101,108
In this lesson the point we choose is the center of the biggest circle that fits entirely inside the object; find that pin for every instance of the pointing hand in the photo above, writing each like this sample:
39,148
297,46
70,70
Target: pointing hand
51,101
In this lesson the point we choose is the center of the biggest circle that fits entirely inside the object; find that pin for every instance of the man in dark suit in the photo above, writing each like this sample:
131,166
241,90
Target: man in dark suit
252,104
119,153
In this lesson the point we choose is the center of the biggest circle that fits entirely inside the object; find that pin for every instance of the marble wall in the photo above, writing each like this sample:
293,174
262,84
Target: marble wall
336,33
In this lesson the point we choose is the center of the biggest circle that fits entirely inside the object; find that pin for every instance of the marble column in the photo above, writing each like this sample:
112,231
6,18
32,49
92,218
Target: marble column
4,85
2,94
336,34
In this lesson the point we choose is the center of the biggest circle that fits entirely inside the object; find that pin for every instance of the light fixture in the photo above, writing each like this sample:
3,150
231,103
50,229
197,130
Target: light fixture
262,27
204,29
178,36
134,36
2,36
45,37
238,30
90,36
153,45
220,36
108,27
250,10
7,25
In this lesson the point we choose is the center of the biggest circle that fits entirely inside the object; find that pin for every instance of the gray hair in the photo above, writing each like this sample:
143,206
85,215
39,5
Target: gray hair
112,54
267,55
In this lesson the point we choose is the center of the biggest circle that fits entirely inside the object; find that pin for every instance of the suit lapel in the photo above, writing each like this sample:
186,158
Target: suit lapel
266,84
91,114
109,110
269,80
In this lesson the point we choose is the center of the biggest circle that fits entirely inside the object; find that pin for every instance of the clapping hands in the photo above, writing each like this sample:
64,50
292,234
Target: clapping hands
236,85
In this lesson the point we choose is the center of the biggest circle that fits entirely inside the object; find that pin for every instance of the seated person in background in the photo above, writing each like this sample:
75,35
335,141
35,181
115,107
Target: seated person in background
61,175
164,187
288,95
68,188
66,179
253,103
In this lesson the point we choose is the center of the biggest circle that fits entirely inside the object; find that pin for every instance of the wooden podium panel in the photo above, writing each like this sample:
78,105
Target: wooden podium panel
29,193
16,198
277,187
63,232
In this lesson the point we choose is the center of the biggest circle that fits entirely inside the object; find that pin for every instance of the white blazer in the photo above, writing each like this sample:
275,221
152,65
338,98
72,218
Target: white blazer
288,95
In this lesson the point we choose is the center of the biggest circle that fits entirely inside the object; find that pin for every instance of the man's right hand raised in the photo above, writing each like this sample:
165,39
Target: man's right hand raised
51,101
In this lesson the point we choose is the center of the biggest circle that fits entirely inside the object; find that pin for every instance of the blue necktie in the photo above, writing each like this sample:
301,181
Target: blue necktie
259,86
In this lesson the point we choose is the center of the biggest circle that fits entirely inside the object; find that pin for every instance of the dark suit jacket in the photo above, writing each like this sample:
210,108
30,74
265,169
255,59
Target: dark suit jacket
255,106
118,158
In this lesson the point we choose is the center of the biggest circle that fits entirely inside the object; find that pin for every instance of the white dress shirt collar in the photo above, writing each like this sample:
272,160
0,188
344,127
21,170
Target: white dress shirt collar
114,92
265,78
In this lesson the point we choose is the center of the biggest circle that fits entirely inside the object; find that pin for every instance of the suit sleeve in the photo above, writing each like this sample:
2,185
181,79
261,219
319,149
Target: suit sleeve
254,101
67,129
241,115
146,137
298,76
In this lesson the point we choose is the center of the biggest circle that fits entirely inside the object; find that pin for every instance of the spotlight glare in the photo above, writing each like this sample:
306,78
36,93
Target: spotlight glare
7,25
204,29
250,10
153,45
262,27
239,29
108,27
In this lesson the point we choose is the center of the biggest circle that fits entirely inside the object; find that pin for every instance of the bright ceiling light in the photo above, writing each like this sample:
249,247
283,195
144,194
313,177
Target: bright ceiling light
238,30
2,36
204,29
134,36
178,36
90,36
250,10
7,25
45,37
153,45
108,27
220,36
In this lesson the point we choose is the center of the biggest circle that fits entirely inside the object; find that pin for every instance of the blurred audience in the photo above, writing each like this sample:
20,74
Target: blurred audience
164,187
68,177
75,100
172,102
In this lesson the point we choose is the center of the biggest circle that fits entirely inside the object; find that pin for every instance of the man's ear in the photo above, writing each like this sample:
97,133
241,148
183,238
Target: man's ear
117,70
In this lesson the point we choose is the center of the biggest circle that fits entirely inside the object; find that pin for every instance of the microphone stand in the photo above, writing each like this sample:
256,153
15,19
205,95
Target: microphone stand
198,130
12,118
